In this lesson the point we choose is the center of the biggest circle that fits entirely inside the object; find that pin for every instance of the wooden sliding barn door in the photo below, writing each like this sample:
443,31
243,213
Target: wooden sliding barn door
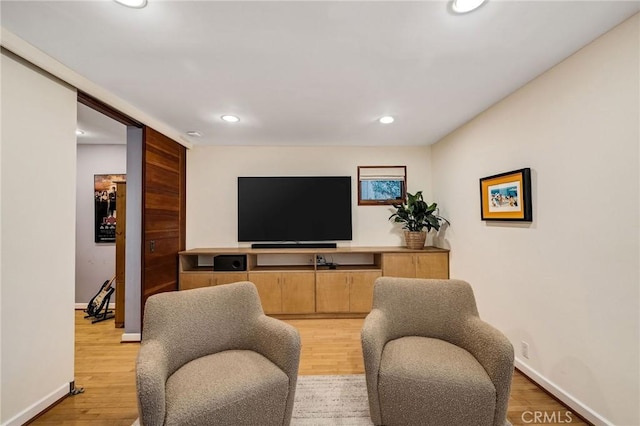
163,219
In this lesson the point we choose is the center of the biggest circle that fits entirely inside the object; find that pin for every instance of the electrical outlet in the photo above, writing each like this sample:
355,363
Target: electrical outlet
525,349
320,259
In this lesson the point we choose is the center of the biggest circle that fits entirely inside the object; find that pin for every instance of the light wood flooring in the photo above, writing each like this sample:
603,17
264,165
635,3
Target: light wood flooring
104,367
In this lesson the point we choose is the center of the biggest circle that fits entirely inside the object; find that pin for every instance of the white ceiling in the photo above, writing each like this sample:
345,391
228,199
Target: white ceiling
98,128
312,73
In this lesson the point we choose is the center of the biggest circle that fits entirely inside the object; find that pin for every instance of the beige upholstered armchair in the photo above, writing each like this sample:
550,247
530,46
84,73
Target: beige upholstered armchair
430,360
210,356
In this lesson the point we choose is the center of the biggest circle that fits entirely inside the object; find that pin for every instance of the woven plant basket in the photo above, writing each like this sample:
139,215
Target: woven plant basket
415,239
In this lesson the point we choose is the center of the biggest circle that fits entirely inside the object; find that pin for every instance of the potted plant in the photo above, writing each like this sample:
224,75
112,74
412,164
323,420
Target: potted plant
416,215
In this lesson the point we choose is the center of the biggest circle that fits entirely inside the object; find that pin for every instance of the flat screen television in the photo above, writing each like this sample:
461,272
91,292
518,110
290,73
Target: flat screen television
294,208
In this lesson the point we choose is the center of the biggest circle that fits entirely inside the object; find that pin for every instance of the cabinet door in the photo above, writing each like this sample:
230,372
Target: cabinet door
361,291
220,278
432,265
192,280
398,265
298,292
332,292
269,289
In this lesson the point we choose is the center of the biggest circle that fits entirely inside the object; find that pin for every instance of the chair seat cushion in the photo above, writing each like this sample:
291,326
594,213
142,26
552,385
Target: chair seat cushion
236,387
425,381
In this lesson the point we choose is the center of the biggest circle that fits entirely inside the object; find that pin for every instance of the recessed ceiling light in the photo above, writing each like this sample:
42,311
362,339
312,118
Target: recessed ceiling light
230,118
194,133
387,119
137,4
464,6
79,132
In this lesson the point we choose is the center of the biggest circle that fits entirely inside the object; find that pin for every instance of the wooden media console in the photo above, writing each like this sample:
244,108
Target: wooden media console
311,282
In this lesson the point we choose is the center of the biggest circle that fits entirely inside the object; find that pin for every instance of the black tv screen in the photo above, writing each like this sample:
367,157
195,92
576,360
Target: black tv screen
294,208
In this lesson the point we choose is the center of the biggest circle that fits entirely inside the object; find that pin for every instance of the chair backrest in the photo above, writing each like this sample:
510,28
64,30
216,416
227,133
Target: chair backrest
424,307
193,323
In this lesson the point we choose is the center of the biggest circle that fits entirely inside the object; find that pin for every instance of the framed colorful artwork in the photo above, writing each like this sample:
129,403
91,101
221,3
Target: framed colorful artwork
506,196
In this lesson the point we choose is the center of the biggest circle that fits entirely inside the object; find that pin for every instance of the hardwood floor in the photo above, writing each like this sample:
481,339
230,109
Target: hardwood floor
105,369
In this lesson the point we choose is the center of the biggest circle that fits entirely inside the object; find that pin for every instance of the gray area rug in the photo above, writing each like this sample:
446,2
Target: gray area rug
329,400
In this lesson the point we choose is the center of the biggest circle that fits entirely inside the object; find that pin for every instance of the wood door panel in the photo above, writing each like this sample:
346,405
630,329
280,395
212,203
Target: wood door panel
162,159
164,183
332,292
361,291
269,289
159,235
162,245
432,265
158,260
163,179
161,202
162,221
159,156
161,146
298,292
398,265
162,274
191,281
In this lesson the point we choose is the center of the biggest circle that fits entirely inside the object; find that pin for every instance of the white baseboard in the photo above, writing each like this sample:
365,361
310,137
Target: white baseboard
38,407
82,306
130,337
576,405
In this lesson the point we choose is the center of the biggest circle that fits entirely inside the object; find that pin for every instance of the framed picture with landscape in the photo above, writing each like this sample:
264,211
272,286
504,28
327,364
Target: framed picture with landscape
381,185
506,196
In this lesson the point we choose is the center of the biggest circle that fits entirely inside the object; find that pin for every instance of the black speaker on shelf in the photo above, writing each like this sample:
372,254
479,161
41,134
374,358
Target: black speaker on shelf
230,262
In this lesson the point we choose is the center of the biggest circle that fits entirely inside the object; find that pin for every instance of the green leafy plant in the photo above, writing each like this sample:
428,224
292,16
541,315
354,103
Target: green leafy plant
416,214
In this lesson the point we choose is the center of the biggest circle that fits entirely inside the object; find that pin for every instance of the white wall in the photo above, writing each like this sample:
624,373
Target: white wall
38,169
212,174
567,283
95,262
